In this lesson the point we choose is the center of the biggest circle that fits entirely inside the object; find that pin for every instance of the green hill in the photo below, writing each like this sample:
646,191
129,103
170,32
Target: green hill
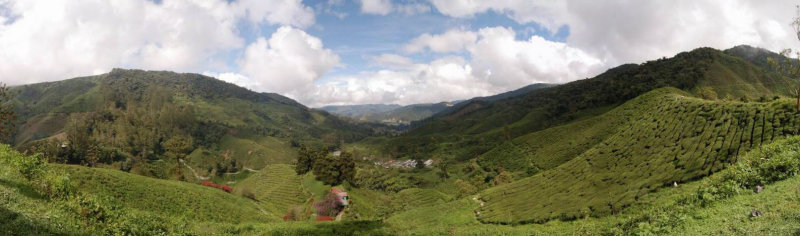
668,137
478,126
125,118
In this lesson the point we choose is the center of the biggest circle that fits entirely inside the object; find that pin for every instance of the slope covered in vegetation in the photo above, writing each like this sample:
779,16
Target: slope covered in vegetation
477,127
125,120
668,137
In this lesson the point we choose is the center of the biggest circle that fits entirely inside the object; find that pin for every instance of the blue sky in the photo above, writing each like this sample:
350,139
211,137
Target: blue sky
327,52
357,37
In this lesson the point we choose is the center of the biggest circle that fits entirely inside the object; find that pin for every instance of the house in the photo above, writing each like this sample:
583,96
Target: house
341,196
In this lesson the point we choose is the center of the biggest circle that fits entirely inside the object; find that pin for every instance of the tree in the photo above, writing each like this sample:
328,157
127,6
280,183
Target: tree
334,170
442,165
79,131
7,115
178,147
305,159
789,65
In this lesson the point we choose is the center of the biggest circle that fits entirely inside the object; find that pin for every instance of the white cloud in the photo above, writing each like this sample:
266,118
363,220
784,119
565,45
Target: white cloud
285,12
392,61
499,63
448,78
523,11
413,8
378,7
635,31
58,39
451,41
384,7
288,63
509,63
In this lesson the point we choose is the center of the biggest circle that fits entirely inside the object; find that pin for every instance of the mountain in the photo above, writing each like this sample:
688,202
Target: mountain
359,111
125,119
702,143
389,114
477,126
417,113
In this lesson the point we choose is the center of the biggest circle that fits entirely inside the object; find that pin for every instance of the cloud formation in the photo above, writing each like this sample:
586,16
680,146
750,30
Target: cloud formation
499,63
634,31
288,63
384,7
454,40
58,39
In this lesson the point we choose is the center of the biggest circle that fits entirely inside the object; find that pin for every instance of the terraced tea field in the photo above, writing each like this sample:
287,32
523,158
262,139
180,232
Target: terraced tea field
667,137
276,187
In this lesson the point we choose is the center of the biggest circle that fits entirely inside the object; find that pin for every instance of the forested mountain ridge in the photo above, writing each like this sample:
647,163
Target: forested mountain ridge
128,116
479,126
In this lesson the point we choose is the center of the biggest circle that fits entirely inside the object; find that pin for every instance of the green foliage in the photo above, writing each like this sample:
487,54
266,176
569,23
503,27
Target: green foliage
334,170
29,166
56,185
7,114
665,137
305,159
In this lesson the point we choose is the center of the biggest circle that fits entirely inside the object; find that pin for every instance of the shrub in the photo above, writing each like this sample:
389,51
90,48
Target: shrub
779,167
30,166
90,209
465,188
226,188
295,213
249,194
328,206
55,185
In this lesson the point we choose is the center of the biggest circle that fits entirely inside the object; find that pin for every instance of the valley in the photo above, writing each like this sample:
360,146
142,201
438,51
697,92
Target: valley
670,146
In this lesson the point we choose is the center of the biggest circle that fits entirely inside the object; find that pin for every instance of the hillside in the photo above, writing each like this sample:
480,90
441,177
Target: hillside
696,208
477,127
124,119
668,137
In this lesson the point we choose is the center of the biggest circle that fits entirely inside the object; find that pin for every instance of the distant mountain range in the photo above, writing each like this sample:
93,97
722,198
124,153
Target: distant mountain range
394,114
391,114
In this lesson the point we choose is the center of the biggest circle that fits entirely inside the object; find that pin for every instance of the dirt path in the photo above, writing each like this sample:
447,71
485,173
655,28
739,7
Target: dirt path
194,172
237,172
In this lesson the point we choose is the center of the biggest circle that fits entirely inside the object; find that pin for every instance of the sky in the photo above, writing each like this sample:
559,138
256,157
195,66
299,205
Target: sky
342,52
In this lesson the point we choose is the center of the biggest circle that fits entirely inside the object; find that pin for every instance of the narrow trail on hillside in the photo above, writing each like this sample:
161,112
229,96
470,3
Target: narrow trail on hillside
237,172
194,172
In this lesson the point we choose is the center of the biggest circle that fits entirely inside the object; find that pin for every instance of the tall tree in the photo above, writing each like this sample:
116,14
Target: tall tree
789,65
178,147
305,159
7,115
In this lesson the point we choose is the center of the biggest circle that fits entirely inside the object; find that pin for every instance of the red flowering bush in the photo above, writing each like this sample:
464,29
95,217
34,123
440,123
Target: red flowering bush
225,188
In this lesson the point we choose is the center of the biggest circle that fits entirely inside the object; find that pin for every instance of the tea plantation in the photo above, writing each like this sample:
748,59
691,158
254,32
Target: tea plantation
668,137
